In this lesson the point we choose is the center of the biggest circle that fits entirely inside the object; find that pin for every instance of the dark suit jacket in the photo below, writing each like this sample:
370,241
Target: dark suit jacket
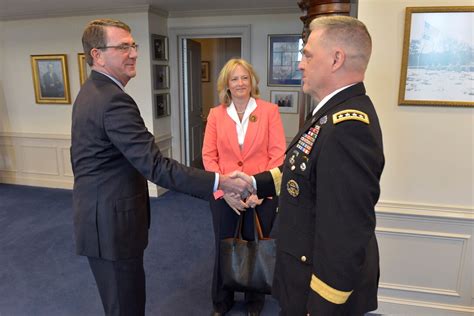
326,239
113,155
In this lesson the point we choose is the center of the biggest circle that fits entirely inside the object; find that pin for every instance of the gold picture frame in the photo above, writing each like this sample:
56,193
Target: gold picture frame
205,71
84,69
437,67
50,79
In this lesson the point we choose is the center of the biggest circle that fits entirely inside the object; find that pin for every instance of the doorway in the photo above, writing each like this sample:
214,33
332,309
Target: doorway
217,46
215,52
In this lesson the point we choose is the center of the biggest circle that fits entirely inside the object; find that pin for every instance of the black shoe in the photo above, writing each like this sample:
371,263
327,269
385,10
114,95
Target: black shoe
253,313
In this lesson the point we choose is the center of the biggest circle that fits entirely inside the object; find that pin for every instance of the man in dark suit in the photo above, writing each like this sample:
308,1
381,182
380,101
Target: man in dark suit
112,156
327,254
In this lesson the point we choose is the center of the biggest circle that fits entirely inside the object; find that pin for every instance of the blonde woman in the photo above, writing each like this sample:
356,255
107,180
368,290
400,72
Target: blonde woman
243,133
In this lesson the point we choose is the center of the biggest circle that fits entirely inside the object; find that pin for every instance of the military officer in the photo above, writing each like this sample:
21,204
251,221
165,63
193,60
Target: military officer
327,253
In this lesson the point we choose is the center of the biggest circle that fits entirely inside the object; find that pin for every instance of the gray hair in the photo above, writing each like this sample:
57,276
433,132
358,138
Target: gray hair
348,32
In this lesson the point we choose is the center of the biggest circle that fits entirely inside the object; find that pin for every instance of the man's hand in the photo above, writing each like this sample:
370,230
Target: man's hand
253,201
236,182
235,202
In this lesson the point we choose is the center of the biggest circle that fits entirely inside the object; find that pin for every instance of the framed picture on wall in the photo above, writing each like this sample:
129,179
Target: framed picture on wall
50,79
84,68
205,71
162,105
159,47
437,63
287,101
284,54
161,77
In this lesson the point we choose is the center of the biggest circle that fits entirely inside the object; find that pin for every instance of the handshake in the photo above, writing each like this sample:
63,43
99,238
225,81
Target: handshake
239,192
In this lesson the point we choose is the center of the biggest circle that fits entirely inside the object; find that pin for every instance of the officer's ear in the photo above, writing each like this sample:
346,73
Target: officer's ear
339,58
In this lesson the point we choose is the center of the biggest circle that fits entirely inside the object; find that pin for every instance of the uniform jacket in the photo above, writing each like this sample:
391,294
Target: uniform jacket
264,143
329,188
112,156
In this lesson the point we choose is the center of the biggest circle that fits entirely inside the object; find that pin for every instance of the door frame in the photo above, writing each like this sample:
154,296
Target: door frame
176,36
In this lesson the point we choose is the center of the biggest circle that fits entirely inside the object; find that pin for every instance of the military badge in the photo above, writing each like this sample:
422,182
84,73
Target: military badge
293,188
350,115
323,120
303,166
292,159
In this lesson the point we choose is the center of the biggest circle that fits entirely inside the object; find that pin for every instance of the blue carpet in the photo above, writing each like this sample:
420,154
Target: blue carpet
41,275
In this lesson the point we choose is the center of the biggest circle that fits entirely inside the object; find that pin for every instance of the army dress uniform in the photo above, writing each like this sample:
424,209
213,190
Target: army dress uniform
327,253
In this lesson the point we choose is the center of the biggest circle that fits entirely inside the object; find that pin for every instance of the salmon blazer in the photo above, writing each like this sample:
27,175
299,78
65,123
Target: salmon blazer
264,142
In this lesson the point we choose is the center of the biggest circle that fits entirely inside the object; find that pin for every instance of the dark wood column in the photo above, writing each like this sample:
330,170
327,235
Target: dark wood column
315,8
312,10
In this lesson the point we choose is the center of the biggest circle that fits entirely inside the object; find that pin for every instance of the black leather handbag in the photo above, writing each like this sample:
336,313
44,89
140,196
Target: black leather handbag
248,266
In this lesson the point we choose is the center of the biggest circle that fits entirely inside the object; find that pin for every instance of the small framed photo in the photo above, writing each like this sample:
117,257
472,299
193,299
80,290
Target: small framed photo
159,47
50,79
162,104
287,101
205,71
284,55
161,77
437,64
84,68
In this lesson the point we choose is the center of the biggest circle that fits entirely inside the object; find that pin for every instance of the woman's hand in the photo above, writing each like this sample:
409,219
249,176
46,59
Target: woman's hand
235,202
253,201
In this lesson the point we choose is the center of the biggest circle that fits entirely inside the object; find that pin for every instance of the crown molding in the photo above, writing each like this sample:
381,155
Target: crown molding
219,12
44,14
82,12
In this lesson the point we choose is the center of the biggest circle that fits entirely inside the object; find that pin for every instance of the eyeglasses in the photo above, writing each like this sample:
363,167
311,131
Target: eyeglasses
124,48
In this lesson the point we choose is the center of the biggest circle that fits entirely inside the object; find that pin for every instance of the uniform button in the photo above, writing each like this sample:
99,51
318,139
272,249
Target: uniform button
240,163
303,258
293,167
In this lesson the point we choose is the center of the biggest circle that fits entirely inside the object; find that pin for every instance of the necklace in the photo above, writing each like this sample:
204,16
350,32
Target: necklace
240,112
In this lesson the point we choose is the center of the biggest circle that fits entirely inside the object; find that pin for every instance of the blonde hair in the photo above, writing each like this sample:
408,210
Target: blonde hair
348,32
223,80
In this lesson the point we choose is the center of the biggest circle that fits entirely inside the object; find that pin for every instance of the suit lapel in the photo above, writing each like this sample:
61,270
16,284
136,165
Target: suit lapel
357,89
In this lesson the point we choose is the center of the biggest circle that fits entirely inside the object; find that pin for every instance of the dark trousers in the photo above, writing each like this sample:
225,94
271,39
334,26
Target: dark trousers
224,221
121,285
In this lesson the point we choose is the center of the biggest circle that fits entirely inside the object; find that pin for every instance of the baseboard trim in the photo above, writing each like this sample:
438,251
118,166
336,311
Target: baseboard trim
424,304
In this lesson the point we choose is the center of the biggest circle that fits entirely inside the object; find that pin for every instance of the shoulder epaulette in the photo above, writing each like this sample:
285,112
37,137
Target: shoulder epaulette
349,114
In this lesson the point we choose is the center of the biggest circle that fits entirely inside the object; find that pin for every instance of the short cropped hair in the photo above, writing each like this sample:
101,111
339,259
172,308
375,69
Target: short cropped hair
348,32
224,76
95,35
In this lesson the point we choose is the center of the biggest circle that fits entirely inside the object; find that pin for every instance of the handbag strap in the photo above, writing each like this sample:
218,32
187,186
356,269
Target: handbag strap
258,233
238,228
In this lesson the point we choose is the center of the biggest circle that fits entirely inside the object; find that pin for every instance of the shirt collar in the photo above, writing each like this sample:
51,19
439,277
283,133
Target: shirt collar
328,97
113,79
232,111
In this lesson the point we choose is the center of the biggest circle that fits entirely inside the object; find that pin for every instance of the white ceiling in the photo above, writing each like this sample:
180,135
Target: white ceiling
21,9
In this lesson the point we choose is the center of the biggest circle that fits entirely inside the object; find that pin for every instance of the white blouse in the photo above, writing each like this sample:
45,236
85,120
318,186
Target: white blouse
241,126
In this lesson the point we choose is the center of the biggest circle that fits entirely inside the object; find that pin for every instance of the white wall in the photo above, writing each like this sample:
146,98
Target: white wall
261,26
158,25
59,36
425,216
429,150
